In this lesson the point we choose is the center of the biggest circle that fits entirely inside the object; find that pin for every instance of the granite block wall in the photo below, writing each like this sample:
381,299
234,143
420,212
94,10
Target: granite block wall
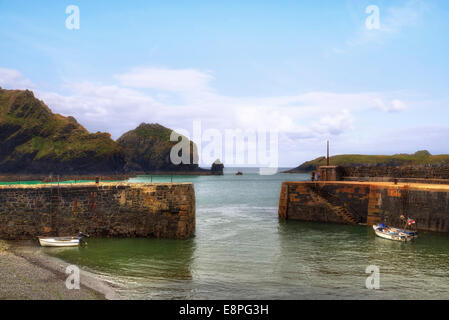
101,210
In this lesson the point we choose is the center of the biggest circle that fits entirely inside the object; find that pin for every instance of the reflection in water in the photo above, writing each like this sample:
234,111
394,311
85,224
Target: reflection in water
141,263
331,260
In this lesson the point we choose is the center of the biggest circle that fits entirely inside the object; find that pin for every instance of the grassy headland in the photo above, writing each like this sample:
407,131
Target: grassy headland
35,140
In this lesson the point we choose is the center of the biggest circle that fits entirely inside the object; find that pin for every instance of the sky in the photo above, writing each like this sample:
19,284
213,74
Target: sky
308,71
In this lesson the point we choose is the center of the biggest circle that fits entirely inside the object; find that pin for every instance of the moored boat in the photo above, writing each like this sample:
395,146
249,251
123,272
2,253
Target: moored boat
408,223
59,241
413,234
385,232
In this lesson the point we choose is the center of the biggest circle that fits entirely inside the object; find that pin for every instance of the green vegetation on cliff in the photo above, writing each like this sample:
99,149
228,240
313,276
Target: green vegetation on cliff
35,140
147,148
352,160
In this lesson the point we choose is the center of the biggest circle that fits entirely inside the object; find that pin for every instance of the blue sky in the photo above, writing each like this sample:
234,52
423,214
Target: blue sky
309,69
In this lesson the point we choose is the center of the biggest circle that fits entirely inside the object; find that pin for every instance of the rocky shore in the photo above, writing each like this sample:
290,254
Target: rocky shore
26,273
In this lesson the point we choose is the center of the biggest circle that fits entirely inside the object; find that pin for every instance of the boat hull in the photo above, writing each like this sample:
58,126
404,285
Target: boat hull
59,242
413,234
391,235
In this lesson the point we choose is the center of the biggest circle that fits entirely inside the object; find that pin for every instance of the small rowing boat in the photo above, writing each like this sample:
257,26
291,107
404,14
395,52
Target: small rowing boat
63,241
385,232
59,241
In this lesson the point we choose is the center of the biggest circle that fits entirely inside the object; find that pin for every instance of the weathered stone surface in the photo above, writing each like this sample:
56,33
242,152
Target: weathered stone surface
60,178
162,210
301,201
367,202
417,172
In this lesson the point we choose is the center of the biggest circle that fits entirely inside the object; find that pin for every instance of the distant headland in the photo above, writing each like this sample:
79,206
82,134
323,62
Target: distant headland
419,158
34,141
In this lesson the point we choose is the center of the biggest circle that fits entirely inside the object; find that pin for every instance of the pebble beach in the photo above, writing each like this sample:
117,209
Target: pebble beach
25,273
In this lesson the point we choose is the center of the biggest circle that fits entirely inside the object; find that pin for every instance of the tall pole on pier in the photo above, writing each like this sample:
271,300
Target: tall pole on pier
327,152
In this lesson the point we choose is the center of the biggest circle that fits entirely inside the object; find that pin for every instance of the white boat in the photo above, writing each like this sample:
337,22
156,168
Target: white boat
59,241
385,232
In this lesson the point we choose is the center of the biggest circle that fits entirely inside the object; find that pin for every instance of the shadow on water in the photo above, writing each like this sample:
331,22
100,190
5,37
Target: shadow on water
152,259
333,259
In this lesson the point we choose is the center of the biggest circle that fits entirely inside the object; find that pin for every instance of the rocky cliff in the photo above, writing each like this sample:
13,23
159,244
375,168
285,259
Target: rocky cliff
147,149
35,140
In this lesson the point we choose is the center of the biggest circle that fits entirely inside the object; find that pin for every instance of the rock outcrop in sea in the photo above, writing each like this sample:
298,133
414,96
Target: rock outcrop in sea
217,167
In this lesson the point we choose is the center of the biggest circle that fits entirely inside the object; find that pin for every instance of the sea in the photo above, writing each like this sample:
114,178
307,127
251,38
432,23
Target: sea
241,250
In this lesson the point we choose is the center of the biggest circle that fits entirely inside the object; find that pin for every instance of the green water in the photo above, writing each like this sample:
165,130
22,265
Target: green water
242,251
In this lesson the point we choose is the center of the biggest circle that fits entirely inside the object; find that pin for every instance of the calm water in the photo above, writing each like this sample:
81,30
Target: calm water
242,251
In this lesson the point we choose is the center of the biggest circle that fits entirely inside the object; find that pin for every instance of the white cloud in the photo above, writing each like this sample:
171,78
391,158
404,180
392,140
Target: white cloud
175,80
302,119
13,79
393,20
397,18
102,107
395,105
334,124
314,115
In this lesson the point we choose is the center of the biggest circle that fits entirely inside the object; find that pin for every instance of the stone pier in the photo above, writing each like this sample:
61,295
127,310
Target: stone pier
366,202
162,210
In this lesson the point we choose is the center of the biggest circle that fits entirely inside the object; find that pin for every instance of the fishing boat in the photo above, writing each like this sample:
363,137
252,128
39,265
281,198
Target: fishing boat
409,223
59,241
413,234
385,232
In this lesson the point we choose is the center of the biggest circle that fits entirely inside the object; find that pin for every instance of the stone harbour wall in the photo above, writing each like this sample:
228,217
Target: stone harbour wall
323,202
19,178
392,179
162,210
417,172
367,202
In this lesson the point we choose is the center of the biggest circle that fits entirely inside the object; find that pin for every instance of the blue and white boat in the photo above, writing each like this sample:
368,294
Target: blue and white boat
395,234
